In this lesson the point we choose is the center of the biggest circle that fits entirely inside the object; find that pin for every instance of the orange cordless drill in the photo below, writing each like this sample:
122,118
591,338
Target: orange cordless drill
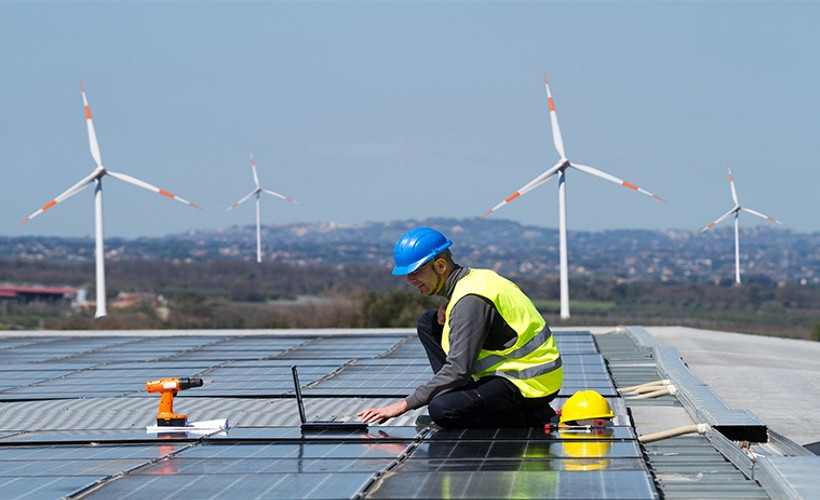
169,387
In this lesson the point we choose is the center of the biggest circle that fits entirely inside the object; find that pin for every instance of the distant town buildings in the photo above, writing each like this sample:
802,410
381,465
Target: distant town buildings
508,247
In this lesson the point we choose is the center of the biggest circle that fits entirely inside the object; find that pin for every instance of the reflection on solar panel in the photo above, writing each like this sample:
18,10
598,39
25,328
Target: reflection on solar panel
73,412
536,483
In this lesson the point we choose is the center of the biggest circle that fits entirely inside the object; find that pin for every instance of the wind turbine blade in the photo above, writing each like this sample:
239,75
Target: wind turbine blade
544,177
732,183
68,193
556,130
255,177
721,219
612,178
763,216
92,136
149,187
243,200
281,196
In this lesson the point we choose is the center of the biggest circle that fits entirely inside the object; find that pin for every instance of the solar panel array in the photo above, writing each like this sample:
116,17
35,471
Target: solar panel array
74,411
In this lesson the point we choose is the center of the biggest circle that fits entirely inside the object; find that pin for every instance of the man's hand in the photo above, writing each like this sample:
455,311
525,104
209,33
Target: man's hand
379,415
442,314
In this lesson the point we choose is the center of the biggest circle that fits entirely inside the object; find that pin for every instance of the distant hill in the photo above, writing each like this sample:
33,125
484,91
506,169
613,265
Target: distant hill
767,253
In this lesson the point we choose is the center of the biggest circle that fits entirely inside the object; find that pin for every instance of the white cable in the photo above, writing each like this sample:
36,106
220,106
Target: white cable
643,387
678,431
669,390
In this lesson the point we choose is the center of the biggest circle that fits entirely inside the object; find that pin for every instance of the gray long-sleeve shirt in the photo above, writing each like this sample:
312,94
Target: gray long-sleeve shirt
475,324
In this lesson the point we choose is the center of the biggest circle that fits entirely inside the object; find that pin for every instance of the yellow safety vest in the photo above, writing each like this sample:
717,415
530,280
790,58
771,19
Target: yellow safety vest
533,363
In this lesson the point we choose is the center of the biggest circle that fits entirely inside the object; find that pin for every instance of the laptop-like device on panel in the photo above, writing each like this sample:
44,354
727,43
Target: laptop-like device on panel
320,425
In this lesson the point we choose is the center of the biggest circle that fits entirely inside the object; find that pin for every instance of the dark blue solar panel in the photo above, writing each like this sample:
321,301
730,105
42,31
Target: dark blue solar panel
355,449
90,436
146,452
271,434
62,471
244,348
21,487
167,483
559,448
617,432
284,462
522,464
537,483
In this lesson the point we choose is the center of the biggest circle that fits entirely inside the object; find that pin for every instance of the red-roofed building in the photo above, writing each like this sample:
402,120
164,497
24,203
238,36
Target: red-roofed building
25,294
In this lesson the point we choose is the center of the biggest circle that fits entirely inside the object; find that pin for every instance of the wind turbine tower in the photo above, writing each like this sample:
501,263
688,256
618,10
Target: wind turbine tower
96,178
560,169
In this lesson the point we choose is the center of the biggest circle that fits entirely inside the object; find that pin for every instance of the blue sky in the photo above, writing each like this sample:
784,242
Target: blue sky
396,110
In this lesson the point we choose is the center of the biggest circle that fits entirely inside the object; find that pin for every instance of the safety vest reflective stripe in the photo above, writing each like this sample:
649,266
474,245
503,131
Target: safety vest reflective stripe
526,349
531,372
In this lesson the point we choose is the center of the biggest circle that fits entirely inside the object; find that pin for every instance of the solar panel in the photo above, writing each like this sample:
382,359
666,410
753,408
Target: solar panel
617,432
247,348
78,436
21,487
61,471
91,391
515,484
521,464
558,448
369,378
254,466
170,484
357,448
287,434
147,452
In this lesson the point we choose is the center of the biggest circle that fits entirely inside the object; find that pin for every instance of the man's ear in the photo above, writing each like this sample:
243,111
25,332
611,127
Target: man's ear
440,265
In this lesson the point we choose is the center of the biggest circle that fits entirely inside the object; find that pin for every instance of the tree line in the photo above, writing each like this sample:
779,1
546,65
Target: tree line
238,294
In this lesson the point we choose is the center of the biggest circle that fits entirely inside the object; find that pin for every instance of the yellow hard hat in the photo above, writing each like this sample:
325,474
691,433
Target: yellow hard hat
585,405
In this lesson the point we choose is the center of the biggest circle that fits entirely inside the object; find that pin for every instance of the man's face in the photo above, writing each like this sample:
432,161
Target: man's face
427,279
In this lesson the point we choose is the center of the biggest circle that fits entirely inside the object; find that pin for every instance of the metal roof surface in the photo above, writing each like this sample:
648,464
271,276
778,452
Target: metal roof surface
74,411
775,378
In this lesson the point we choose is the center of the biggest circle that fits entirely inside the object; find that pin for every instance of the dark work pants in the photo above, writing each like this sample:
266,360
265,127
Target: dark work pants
486,402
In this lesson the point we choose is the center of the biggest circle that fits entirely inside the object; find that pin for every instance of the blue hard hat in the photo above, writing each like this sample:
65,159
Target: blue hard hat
416,248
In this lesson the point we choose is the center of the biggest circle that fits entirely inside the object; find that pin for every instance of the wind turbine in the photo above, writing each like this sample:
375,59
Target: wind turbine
96,178
736,210
256,192
560,169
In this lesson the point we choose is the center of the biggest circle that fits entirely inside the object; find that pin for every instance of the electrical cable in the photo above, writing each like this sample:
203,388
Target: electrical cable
647,385
669,390
678,431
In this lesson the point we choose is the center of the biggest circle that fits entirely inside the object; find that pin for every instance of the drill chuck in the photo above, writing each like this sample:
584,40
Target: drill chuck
188,382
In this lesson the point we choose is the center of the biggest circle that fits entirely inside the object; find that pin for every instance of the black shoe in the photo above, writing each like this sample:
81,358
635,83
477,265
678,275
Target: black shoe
538,417
424,420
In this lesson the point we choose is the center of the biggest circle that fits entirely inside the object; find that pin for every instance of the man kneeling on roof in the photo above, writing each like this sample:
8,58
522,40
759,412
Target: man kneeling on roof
492,353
